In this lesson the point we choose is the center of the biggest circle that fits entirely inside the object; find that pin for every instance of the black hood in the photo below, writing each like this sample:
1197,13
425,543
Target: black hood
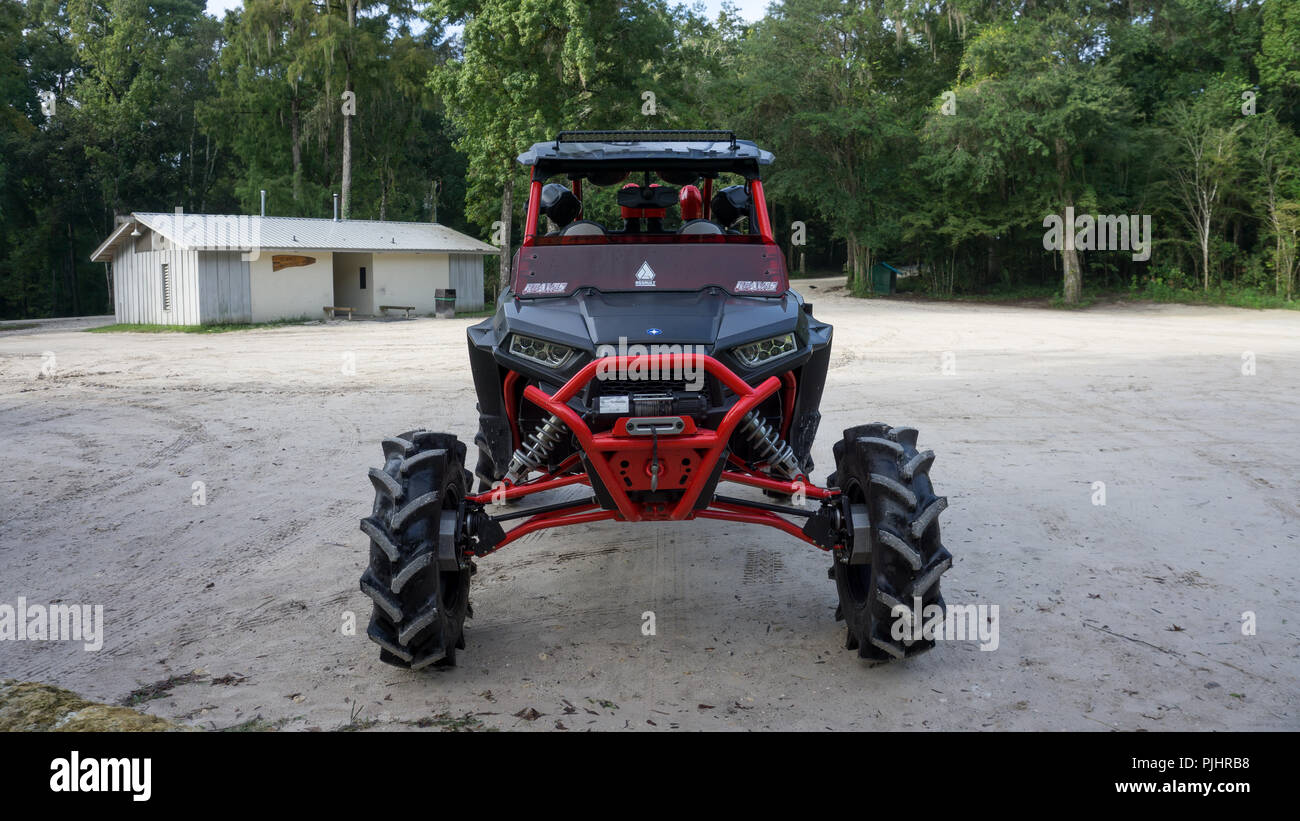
710,318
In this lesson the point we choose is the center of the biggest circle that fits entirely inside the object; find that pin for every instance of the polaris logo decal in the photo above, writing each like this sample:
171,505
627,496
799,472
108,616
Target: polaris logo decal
750,286
645,276
653,331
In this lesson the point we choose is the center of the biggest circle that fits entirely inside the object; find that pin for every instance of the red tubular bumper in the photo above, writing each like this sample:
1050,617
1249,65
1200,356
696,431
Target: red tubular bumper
686,460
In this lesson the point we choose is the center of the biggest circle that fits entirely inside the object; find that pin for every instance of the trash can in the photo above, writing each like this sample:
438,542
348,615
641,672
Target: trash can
884,278
444,302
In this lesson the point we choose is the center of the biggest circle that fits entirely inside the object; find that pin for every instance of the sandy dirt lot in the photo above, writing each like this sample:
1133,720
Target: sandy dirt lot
1126,615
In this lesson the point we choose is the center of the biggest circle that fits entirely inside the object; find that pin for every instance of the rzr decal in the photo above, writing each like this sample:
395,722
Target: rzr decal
546,287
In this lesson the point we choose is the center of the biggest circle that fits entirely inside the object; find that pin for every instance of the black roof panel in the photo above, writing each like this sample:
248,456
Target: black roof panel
573,150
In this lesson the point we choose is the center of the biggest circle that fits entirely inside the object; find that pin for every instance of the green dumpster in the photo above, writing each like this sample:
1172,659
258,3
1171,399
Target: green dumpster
884,278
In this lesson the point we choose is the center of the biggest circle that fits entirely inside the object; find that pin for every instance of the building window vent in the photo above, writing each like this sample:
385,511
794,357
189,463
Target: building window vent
363,277
166,286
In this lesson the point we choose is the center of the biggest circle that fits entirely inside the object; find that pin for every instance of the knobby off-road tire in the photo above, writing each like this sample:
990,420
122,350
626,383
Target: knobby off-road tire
420,607
880,472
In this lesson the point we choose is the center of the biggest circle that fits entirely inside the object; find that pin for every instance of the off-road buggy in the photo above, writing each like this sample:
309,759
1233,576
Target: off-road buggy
648,361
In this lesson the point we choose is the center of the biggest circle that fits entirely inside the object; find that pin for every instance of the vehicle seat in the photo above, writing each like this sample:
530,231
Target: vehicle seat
632,216
583,228
698,227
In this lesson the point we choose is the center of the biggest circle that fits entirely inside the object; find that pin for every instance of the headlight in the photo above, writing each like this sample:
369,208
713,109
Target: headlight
539,350
758,353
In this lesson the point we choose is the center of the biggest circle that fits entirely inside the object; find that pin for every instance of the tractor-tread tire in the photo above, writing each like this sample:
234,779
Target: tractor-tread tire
420,609
879,466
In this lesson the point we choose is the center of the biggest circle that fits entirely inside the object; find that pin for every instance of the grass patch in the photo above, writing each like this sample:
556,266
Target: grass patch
1085,301
488,309
34,707
357,726
140,328
915,288
1051,296
1160,291
356,723
22,326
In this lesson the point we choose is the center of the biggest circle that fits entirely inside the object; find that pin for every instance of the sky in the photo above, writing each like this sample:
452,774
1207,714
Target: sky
751,10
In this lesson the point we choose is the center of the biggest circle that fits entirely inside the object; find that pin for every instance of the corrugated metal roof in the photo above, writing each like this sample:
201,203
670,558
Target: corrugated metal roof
104,253
215,232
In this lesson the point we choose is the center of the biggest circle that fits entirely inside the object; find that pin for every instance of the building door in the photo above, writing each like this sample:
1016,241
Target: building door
354,282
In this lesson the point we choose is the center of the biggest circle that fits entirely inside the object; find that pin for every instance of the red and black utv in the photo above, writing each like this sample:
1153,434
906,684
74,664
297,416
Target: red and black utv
649,353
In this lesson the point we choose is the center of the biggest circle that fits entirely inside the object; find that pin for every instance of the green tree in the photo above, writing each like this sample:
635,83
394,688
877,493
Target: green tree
1278,58
1035,103
530,68
146,66
279,110
821,89
1201,155
261,102
1274,152
121,134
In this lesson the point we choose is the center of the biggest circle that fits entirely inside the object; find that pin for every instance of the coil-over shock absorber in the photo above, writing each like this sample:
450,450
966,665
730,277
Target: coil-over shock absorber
536,450
770,447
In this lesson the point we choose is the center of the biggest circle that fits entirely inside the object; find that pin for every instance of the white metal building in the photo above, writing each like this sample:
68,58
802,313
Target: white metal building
200,269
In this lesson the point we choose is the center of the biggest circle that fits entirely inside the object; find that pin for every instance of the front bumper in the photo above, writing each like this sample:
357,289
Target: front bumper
661,476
